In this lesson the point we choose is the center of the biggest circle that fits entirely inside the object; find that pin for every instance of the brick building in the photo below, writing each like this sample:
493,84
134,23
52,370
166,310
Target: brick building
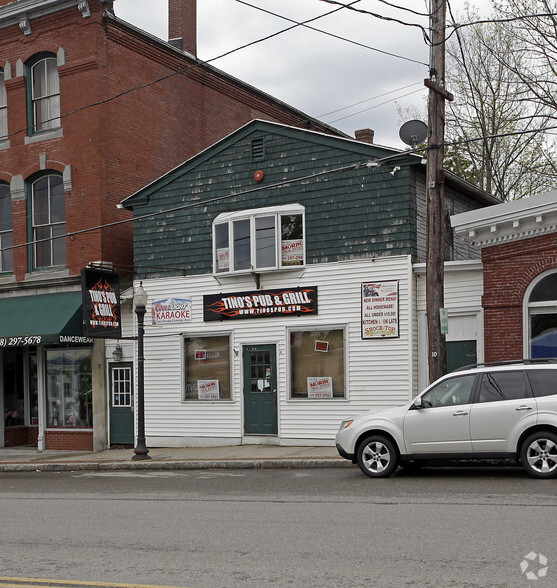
91,109
518,241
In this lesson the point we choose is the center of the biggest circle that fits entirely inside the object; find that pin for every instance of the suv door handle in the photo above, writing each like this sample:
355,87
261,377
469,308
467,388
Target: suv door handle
460,413
523,407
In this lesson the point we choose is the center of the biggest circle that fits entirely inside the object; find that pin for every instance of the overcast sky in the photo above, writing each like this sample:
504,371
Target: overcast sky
343,84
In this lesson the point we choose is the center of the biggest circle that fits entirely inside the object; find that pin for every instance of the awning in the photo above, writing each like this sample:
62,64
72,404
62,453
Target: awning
44,318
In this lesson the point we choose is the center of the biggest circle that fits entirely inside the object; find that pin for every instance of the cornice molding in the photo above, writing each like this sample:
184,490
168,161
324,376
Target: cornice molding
509,221
22,12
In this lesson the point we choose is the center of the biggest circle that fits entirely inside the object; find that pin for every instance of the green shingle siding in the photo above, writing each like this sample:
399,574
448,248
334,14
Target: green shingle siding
364,212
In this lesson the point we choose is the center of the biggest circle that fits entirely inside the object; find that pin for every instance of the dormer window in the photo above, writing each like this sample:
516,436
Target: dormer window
259,240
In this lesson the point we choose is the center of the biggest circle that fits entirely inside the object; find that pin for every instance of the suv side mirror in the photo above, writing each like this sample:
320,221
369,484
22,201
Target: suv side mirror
418,402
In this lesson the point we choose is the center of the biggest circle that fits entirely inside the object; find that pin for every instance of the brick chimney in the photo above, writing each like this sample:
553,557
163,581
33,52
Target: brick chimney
364,135
182,25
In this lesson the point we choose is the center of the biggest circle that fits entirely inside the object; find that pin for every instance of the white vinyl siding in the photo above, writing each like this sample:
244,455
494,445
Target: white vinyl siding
378,373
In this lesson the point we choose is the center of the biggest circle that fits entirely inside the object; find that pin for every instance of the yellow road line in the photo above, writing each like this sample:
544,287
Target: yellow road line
7,582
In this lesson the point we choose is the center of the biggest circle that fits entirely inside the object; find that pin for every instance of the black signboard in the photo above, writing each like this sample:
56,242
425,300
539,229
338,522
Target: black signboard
100,291
260,304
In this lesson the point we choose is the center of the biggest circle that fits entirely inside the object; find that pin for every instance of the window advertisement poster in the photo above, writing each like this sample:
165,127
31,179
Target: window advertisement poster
100,293
208,389
171,310
293,252
223,259
320,387
380,309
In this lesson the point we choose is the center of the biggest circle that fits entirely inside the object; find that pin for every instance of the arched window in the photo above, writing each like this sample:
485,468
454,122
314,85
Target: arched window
48,214
541,316
3,108
6,232
44,93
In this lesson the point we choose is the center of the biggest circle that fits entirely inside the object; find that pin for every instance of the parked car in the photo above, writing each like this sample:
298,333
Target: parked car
488,411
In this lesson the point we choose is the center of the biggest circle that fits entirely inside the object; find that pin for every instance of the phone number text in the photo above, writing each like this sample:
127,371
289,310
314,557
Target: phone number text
17,341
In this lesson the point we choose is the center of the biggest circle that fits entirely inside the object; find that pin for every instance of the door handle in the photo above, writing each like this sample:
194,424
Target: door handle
460,413
524,407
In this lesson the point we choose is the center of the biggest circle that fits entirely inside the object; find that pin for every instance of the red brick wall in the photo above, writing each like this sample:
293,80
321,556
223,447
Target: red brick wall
508,271
69,440
20,436
128,138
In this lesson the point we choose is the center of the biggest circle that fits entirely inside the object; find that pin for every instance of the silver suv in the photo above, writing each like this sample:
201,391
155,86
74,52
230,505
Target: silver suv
489,411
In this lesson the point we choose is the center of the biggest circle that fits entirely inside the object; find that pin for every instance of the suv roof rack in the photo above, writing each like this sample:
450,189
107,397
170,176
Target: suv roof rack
525,361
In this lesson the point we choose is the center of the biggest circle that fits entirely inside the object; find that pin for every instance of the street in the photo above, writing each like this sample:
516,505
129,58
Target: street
315,527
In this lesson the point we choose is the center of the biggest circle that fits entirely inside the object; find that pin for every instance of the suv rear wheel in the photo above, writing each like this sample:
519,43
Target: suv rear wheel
538,455
377,456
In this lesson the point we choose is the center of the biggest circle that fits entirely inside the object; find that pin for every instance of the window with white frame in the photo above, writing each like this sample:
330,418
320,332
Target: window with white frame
3,107
262,239
6,230
207,368
48,221
317,364
44,94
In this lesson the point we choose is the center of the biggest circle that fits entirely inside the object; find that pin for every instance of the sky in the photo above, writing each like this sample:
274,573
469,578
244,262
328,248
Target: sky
362,72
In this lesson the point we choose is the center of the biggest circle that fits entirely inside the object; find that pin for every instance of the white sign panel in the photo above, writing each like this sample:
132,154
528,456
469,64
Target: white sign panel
171,310
379,309
320,387
208,389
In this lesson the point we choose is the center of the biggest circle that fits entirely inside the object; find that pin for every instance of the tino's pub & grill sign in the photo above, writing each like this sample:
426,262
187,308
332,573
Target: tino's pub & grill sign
260,303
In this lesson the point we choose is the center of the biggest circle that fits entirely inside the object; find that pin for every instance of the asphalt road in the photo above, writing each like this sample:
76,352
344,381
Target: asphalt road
322,527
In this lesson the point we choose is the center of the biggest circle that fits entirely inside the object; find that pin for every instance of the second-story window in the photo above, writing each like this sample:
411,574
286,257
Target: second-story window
48,221
262,239
45,95
3,108
6,231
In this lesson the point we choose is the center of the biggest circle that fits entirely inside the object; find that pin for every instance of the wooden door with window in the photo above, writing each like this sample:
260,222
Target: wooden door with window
121,404
260,390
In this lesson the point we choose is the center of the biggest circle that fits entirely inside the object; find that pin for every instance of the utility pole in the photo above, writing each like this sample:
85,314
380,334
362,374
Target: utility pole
435,188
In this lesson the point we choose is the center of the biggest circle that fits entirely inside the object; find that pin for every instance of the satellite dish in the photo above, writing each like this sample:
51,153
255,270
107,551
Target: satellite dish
413,132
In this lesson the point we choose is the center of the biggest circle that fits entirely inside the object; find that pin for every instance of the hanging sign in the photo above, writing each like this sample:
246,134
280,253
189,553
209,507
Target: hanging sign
100,291
260,304
379,309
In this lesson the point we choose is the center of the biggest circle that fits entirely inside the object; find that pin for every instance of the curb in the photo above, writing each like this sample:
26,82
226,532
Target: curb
256,464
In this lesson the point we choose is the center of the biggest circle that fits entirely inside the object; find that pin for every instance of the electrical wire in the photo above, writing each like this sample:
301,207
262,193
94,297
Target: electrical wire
369,99
383,17
304,24
377,105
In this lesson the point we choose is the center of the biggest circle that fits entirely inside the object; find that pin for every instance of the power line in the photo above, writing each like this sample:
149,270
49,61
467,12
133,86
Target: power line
383,17
304,24
369,99
377,105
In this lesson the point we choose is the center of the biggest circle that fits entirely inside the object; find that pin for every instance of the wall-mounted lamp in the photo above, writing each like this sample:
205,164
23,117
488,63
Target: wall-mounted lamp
117,354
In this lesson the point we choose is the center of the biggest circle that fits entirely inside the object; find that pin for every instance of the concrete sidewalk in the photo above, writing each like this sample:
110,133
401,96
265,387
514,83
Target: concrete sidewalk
172,458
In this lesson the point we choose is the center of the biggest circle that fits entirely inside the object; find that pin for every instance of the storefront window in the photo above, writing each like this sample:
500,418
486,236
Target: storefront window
14,388
207,365
542,318
69,388
317,364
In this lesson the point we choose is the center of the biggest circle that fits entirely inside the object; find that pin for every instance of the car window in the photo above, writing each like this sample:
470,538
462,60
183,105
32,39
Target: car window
543,382
497,386
451,392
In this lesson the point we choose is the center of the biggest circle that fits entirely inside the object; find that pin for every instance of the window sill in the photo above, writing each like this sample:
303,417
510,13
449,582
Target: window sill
4,144
44,136
47,273
274,270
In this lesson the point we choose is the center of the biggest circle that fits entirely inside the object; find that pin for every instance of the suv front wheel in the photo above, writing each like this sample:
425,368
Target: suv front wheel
538,455
377,456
